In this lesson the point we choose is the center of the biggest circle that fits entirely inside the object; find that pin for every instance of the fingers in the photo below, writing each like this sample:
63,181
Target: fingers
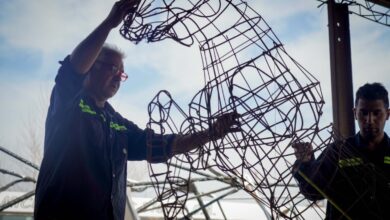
226,123
303,151
234,129
128,6
231,117
228,120
120,10
302,147
299,145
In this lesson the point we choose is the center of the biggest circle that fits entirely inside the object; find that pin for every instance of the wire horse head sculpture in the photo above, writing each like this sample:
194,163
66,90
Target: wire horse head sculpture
246,70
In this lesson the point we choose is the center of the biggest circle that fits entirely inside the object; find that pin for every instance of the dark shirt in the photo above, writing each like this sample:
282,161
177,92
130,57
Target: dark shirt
353,177
83,172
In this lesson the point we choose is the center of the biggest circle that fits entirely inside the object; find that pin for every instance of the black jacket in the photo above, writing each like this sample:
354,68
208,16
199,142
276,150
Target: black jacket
354,180
83,172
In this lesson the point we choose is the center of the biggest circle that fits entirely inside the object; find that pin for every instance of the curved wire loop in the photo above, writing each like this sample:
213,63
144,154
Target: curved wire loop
247,70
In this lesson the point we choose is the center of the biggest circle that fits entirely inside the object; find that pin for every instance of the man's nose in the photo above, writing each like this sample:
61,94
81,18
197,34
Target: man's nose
370,118
117,77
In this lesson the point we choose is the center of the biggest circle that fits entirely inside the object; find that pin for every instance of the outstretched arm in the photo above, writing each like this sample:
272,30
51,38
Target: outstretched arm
313,175
85,54
225,124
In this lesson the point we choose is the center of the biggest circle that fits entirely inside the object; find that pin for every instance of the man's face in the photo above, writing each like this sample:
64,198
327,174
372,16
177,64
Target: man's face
371,117
106,78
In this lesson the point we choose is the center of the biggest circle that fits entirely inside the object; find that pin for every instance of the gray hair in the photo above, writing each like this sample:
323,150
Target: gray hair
109,49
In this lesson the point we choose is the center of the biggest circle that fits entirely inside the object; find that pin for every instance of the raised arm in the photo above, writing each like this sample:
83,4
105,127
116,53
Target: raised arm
85,54
314,175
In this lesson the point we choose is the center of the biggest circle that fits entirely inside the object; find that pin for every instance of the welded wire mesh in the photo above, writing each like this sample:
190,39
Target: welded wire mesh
246,70
13,176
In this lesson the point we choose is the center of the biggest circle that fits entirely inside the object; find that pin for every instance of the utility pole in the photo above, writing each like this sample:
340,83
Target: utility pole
341,69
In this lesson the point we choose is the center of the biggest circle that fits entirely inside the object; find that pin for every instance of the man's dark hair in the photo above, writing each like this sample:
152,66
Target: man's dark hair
371,92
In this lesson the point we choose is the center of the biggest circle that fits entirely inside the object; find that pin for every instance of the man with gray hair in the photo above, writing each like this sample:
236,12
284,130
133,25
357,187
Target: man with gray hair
87,143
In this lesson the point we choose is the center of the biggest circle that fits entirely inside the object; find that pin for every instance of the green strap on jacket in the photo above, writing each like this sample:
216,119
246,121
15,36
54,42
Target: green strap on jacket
117,127
87,109
386,160
356,161
350,162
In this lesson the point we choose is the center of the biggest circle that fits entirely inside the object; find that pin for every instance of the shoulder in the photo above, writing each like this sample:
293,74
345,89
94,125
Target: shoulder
387,139
68,72
66,65
346,143
339,148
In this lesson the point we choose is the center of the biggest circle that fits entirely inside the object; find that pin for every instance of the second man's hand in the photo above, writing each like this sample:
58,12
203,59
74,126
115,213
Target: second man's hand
303,151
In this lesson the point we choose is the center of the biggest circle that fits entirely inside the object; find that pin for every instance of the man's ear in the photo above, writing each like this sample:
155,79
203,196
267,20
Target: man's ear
388,114
354,113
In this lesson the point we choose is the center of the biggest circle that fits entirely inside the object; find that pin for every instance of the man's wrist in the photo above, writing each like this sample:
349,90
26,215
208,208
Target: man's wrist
185,143
107,25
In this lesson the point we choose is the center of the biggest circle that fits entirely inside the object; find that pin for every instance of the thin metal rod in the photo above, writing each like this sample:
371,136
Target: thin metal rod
211,202
19,158
200,201
16,200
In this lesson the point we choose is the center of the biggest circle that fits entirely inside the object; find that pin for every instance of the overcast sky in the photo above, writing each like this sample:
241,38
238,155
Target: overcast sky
35,35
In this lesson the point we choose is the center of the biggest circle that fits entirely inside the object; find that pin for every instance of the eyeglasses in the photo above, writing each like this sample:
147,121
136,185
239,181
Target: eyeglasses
114,70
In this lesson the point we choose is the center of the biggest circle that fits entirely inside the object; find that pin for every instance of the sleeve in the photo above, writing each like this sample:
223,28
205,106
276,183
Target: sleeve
145,144
68,83
316,174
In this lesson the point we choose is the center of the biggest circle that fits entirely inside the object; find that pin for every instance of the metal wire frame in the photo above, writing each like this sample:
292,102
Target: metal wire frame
19,179
227,191
263,86
366,9
246,70
172,185
228,188
138,186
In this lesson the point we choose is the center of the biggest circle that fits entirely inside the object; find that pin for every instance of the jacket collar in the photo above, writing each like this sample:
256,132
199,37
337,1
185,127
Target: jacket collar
360,143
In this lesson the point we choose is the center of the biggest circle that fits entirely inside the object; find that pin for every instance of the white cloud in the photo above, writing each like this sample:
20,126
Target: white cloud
50,25
279,10
55,27
25,106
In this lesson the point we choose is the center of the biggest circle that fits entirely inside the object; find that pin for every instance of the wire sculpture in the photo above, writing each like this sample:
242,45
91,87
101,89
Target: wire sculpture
246,70
15,179
367,9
